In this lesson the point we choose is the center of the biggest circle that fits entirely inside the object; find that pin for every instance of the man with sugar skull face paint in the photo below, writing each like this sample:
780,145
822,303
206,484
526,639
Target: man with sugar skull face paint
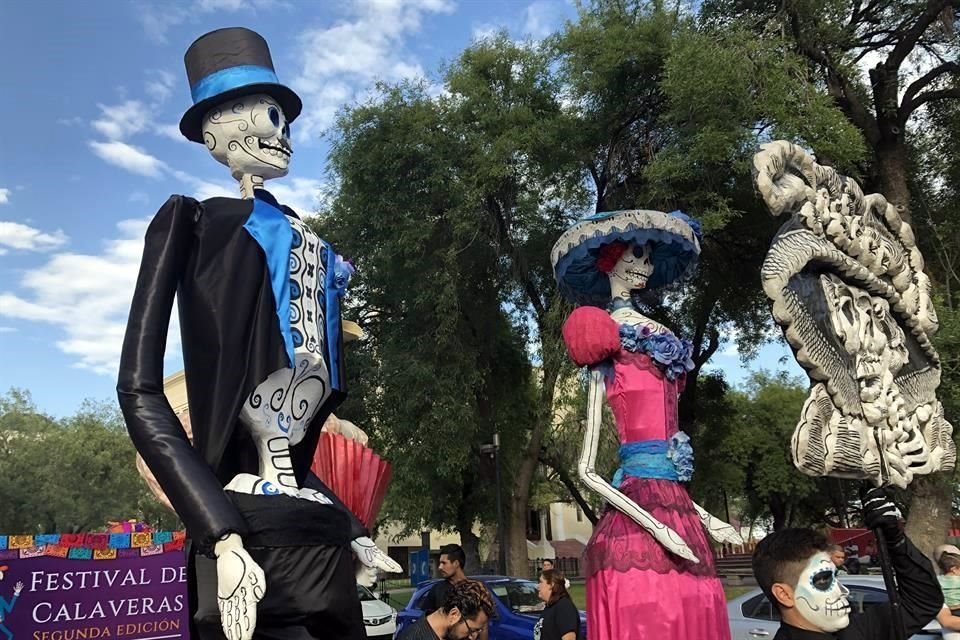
794,569
271,548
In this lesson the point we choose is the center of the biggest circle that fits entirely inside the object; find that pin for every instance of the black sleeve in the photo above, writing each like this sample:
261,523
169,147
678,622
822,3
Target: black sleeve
920,598
357,530
186,478
567,619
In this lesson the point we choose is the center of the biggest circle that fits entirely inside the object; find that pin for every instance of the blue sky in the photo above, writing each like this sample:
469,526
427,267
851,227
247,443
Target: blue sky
93,149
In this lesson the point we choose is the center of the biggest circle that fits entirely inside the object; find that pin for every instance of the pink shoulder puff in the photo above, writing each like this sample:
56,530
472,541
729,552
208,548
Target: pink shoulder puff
591,336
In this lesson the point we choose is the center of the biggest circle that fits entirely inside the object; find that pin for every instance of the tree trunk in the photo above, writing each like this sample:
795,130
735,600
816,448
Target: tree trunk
891,170
778,509
471,547
520,497
931,509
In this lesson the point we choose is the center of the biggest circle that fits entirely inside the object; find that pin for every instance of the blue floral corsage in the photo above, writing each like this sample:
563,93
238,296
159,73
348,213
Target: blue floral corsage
681,452
342,271
673,355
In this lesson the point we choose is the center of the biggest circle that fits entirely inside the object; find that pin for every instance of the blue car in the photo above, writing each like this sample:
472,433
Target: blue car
518,607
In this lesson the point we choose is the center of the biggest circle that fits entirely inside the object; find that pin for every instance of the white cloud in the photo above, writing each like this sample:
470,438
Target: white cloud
120,121
339,63
300,194
171,131
128,157
14,235
4,196
540,18
96,288
486,31
160,85
158,18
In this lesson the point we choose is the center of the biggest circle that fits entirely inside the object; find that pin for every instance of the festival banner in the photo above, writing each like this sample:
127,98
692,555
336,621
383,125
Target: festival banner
97,587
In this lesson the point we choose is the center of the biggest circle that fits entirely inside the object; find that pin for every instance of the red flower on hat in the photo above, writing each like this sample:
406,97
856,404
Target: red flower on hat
609,256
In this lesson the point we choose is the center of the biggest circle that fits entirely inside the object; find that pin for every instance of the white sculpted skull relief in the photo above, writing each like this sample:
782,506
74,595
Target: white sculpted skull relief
847,284
250,135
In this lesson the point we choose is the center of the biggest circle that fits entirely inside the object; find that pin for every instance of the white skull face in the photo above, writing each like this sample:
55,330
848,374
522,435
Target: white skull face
634,267
871,335
819,596
250,135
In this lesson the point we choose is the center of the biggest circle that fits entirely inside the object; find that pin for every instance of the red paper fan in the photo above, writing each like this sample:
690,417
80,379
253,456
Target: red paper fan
354,472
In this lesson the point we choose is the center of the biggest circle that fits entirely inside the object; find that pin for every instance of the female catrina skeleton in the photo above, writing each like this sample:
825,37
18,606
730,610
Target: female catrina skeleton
652,541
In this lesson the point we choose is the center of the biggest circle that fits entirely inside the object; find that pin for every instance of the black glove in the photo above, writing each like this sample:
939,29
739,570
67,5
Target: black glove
879,512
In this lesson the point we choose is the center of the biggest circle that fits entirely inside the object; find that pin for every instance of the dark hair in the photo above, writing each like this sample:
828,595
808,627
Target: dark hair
454,552
550,560
948,561
780,557
836,547
470,598
558,585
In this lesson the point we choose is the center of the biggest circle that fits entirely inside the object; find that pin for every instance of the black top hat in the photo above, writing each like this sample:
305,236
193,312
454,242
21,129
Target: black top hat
231,63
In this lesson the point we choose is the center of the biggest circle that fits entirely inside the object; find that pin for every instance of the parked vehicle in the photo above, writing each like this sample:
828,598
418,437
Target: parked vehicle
753,618
379,618
517,607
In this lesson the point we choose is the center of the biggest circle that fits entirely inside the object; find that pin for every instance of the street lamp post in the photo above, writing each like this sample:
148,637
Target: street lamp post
494,451
502,547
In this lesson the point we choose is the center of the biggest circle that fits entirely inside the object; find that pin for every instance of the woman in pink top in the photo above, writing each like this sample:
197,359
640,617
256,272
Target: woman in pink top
648,565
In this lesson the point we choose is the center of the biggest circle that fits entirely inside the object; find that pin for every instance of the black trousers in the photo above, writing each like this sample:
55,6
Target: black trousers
304,552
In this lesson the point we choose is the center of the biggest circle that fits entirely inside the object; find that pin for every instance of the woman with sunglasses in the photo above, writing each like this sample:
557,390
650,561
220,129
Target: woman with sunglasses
560,620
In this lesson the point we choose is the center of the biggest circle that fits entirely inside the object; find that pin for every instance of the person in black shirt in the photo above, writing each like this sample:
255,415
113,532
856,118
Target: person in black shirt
560,620
452,561
463,615
794,570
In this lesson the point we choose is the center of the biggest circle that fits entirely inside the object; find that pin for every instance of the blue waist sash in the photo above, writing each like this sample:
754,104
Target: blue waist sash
657,459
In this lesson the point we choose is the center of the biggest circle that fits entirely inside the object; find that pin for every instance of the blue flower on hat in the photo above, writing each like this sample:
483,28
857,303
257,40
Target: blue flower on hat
693,222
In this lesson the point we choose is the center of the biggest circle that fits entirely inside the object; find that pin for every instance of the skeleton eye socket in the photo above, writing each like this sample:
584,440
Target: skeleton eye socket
286,130
823,580
638,251
274,114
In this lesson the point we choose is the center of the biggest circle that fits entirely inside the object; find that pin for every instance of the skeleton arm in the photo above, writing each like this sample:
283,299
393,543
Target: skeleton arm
187,479
717,528
591,440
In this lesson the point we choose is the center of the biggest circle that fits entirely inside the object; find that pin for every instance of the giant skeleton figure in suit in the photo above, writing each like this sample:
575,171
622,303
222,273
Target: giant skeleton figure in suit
258,295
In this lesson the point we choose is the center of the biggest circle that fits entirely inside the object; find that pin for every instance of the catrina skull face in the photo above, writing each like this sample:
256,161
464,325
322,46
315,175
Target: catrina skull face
634,267
819,596
250,135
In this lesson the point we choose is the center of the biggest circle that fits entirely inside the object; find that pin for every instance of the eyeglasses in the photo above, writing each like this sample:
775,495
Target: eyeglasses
471,632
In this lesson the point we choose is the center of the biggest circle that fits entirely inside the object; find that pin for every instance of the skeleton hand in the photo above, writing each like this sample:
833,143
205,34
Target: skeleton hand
718,529
17,588
371,556
366,576
240,586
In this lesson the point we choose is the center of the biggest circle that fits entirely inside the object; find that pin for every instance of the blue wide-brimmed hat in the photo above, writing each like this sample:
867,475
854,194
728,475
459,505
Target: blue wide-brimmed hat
226,64
676,245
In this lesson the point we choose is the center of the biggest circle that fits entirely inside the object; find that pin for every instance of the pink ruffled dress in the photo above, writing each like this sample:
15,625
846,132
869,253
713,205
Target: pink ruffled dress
636,589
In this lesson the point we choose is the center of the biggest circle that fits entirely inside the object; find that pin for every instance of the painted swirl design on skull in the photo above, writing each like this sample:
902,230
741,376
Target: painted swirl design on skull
847,284
250,135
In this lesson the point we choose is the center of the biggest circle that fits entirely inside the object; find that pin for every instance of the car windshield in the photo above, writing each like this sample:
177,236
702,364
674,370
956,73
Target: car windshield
365,594
519,596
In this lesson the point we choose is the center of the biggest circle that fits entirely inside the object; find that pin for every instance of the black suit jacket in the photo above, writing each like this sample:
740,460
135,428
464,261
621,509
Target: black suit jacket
231,340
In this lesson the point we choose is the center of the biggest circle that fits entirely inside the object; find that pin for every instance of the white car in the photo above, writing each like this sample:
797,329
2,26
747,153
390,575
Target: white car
752,617
379,618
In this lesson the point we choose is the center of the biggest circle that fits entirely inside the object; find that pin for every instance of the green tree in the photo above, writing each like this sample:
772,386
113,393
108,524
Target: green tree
758,446
71,475
836,36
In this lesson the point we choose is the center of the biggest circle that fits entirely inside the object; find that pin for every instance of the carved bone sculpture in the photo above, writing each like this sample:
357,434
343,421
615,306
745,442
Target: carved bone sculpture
848,289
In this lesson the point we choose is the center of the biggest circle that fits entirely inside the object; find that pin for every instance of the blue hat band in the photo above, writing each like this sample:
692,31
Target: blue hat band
231,78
